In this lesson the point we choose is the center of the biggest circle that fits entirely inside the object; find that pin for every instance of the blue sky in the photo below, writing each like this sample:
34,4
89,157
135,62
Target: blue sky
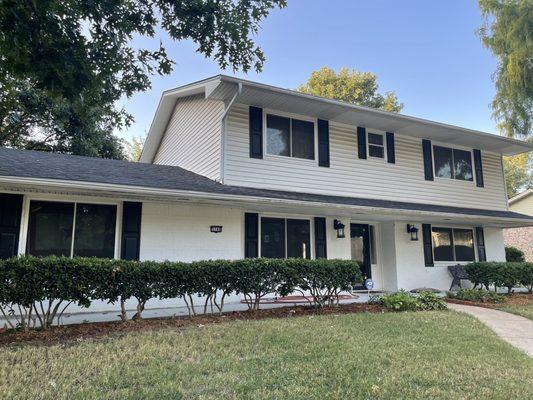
425,51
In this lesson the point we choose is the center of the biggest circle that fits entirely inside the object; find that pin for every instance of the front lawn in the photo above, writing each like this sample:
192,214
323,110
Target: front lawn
520,304
439,354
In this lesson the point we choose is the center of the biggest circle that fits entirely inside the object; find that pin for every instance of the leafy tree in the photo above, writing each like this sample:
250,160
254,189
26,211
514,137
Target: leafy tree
351,86
508,33
65,63
135,148
518,173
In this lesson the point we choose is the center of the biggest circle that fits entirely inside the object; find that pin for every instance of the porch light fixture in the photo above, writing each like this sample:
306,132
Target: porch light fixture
413,230
339,227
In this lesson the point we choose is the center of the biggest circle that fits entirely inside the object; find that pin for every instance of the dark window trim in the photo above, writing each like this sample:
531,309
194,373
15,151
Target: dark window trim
311,232
453,228
118,222
290,117
473,180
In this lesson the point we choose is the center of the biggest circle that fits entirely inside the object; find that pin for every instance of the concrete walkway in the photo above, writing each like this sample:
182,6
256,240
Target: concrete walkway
514,329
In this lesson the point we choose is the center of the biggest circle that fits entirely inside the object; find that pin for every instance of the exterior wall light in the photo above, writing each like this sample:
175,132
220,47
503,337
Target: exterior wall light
339,227
413,230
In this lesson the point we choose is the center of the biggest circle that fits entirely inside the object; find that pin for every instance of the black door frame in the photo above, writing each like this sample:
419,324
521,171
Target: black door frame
366,269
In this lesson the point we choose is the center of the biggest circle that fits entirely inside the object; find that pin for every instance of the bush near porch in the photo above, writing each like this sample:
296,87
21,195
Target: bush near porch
35,291
501,274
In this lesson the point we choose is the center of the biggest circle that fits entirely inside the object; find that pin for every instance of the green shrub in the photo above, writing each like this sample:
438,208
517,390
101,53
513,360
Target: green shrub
512,254
405,301
525,275
476,295
430,301
40,289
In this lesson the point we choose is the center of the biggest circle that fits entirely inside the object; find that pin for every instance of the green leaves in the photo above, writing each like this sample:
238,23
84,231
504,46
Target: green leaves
351,86
405,301
501,274
507,33
29,281
64,65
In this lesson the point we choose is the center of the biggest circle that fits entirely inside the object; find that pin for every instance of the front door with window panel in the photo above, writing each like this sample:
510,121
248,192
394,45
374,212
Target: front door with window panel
360,248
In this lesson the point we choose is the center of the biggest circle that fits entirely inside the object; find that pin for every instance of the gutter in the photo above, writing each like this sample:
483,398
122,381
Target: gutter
217,197
223,131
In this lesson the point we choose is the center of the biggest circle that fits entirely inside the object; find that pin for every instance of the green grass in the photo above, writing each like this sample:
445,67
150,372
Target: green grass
523,310
439,355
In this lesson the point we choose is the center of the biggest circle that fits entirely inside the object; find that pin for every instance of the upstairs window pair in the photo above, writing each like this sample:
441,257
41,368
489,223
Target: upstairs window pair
453,163
290,137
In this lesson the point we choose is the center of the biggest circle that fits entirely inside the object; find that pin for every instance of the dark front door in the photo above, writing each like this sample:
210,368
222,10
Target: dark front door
360,246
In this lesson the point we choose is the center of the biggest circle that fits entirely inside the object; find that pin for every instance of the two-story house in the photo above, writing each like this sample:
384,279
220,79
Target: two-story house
233,169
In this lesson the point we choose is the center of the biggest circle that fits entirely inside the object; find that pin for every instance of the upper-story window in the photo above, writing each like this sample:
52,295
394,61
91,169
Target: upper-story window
290,137
453,163
376,145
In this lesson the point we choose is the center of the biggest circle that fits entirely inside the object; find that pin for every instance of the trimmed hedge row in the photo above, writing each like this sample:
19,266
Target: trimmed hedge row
35,291
501,274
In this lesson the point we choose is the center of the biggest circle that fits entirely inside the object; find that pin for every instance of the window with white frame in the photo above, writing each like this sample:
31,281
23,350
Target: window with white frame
376,145
71,229
285,238
453,163
453,244
290,137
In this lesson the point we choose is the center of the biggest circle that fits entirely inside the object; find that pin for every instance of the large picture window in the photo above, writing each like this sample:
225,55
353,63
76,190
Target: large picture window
290,137
282,238
71,229
452,244
453,163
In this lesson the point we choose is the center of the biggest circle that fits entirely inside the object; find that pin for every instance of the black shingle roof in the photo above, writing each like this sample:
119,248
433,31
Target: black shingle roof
36,164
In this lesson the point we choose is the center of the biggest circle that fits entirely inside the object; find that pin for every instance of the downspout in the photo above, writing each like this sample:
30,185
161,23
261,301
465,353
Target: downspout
223,131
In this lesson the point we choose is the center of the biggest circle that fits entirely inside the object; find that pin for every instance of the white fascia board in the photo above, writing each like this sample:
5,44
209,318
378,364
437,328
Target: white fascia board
168,194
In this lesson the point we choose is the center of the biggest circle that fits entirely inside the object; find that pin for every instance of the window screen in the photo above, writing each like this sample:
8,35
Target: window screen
95,230
442,244
298,238
272,237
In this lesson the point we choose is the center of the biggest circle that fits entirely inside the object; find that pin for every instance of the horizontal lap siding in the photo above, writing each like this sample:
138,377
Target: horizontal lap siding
350,176
192,137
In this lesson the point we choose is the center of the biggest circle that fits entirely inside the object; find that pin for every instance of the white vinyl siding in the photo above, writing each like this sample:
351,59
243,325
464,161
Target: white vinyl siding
351,176
192,138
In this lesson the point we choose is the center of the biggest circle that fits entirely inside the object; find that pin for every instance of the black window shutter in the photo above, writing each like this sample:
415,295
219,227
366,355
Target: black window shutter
428,162
480,238
256,132
428,248
323,143
478,166
131,230
320,238
391,154
251,235
10,215
361,142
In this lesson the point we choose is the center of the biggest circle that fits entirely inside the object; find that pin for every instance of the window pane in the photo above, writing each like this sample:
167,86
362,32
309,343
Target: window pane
298,238
375,151
95,230
462,165
443,161
50,228
278,135
442,244
272,237
464,244
303,139
374,138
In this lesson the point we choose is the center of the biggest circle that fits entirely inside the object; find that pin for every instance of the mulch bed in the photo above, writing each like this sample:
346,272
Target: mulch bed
76,333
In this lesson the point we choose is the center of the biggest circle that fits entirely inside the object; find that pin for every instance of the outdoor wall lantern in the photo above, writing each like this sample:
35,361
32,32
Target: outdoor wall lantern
339,227
413,230
216,228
